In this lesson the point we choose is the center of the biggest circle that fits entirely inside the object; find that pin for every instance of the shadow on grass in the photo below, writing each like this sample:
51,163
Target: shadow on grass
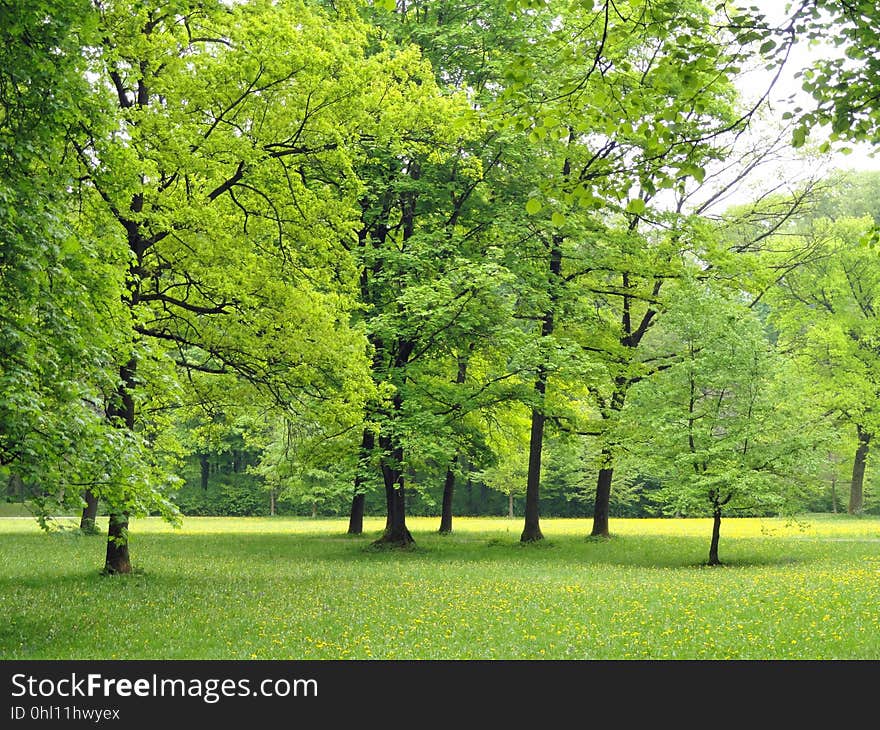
154,551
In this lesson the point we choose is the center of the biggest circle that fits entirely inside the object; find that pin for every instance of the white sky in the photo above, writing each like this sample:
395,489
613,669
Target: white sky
802,56
789,167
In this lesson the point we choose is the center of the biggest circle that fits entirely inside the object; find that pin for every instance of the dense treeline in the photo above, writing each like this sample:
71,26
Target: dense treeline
427,257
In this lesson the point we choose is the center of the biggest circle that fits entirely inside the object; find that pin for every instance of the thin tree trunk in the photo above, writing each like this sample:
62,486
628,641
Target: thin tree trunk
117,560
856,492
358,502
834,493
205,470
532,528
89,513
272,502
446,510
510,505
602,506
314,510
449,482
716,534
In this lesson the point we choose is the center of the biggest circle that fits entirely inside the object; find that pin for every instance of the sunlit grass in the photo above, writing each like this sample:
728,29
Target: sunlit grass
297,588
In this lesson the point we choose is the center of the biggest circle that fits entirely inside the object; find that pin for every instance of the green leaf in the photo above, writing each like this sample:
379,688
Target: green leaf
533,206
636,206
558,219
798,137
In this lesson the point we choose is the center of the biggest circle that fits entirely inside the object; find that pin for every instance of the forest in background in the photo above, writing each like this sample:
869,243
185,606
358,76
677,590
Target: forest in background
432,257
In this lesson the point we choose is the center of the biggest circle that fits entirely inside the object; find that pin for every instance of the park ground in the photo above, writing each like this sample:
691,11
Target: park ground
300,588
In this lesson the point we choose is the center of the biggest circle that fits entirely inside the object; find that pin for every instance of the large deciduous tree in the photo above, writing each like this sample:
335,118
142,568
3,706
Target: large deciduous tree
222,170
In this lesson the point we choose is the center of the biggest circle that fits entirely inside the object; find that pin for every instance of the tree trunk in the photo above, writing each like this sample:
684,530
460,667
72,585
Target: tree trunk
272,502
834,493
356,518
89,513
389,504
117,561
449,482
532,528
122,407
510,505
314,510
856,492
15,487
396,532
716,534
602,506
446,511
206,470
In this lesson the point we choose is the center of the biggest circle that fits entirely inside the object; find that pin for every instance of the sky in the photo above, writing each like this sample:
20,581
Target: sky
789,167
862,156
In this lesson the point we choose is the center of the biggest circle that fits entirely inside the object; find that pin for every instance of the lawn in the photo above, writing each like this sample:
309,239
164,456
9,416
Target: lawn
279,588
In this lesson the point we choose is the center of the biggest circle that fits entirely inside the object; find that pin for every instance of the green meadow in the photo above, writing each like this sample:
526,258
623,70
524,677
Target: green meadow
278,588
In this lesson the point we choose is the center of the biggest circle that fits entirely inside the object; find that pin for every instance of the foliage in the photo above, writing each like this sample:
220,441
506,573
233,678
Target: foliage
724,428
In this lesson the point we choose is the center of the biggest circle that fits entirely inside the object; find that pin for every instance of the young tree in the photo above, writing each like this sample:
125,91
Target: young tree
723,429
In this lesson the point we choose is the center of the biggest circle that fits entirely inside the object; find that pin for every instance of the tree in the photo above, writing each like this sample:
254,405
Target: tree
508,438
610,235
59,302
221,169
826,311
723,428
433,281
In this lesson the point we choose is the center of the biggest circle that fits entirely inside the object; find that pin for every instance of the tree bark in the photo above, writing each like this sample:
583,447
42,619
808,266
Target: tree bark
510,505
205,466
396,532
602,505
856,492
449,482
358,502
356,518
272,502
117,560
532,528
446,510
89,513
716,534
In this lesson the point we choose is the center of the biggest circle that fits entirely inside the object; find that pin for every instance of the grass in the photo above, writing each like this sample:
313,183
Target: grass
296,588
